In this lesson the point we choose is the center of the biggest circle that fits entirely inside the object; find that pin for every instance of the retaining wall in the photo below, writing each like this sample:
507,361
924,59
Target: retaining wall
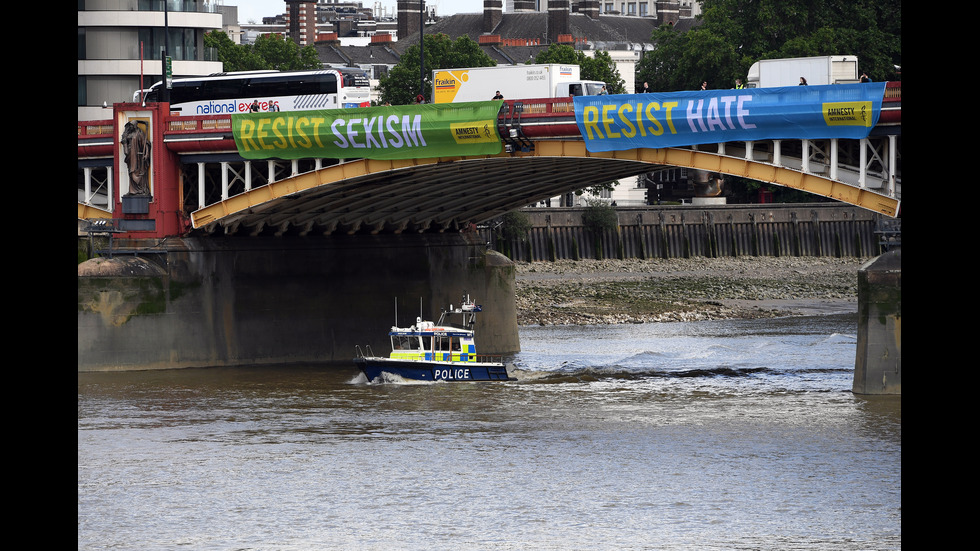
685,231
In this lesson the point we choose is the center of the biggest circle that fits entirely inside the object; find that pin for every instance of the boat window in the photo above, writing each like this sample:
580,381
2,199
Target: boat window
447,344
404,342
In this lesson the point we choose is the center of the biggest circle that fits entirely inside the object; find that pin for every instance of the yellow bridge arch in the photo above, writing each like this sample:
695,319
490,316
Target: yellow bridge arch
450,192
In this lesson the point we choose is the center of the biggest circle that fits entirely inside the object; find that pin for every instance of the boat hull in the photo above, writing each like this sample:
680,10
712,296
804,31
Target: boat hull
433,371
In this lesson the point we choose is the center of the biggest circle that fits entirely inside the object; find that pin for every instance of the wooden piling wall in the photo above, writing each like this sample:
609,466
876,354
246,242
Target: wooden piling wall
821,229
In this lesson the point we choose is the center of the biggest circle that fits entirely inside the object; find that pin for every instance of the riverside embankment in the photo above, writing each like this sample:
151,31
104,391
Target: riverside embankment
683,289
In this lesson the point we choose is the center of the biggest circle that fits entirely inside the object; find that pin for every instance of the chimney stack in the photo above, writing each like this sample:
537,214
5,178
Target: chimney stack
668,11
493,12
408,17
590,8
558,15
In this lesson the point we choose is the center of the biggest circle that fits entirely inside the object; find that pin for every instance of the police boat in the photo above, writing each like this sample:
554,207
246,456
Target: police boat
441,351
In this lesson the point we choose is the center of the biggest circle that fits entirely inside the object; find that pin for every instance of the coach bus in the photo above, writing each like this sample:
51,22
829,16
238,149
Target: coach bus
227,93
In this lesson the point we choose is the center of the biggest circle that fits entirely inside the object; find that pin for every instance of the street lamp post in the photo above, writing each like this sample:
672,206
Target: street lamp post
422,48
165,89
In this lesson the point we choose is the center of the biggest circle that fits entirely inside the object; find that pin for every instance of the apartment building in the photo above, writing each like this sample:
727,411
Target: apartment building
120,44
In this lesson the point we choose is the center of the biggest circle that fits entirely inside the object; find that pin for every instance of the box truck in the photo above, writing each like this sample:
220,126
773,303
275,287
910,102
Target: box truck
513,81
827,69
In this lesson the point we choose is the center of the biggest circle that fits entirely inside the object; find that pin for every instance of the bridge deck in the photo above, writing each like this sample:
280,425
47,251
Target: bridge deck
544,156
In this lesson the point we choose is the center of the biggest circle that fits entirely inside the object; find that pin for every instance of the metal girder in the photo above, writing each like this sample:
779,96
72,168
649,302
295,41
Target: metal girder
88,212
448,193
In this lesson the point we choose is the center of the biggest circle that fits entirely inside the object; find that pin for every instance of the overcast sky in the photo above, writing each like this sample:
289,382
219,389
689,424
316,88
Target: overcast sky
257,9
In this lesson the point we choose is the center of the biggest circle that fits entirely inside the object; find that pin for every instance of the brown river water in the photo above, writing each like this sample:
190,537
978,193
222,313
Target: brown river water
738,434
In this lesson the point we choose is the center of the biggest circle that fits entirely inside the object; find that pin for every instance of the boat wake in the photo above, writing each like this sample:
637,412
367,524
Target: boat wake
570,373
391,379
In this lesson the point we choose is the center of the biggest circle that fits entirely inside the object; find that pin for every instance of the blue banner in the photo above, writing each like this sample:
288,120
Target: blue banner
674,119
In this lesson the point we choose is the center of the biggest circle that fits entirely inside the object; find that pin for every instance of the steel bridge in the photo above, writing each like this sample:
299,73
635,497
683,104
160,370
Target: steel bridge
217,191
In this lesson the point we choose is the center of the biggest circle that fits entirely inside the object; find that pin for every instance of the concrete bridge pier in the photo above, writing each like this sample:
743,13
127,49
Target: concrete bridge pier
268,300
878,367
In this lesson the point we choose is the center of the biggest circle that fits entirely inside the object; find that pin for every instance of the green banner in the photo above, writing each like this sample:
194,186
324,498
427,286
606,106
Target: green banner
399,132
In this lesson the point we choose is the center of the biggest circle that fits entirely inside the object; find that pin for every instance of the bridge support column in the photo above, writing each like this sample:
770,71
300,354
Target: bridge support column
878,367
200,186
892,165
249,301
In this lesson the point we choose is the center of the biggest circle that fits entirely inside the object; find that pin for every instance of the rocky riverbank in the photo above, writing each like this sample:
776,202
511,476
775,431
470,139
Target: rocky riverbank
687,289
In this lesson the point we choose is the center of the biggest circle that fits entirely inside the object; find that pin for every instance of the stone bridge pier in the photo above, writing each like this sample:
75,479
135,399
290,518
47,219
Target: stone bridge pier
878,366
234,301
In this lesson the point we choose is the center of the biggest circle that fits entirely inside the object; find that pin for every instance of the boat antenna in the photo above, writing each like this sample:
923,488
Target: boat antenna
396,311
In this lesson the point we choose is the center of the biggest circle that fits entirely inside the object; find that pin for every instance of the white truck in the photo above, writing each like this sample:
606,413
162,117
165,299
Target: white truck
827,69
552,80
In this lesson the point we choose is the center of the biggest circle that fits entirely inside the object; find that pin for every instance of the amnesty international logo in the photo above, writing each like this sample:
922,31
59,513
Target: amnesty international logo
474,132
848,113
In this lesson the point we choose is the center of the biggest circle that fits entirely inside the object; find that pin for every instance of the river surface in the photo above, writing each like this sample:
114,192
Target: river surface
722,435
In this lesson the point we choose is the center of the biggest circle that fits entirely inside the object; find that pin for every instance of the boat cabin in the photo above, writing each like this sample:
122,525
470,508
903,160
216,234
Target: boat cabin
433,343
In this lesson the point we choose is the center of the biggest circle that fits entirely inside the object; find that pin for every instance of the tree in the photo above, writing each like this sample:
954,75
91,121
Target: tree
599,218
734,34
270,51
599,67
233,57
283,54
404,81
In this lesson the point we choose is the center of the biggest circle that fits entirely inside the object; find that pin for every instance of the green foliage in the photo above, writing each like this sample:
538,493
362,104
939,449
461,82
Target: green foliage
515,225
599,67
270,51
403,81
285,55
597,189
599,216
734,34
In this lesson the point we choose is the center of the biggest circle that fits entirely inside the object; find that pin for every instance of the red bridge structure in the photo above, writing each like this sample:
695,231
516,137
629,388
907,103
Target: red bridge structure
201,185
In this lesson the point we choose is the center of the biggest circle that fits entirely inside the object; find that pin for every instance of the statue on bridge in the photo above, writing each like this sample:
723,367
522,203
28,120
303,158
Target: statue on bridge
136,148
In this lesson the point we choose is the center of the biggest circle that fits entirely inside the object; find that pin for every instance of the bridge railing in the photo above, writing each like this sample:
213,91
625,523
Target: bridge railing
560,109
536,117
96,138
893,91
89,129
177,126
541,108
521,122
